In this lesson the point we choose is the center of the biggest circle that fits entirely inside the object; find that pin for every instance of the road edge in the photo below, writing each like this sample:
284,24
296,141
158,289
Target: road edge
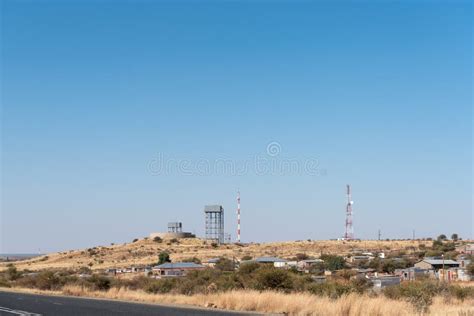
181,306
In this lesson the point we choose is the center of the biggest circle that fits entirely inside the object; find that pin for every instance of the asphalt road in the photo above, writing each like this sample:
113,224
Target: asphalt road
31,304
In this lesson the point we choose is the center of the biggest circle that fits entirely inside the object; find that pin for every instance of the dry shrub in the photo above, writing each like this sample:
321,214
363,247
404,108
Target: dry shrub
278,302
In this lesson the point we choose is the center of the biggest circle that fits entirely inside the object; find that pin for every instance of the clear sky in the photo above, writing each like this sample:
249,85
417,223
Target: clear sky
98,96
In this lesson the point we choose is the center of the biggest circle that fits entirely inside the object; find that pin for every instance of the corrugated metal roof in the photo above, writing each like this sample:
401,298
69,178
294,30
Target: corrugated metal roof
178,265
440,261
270,259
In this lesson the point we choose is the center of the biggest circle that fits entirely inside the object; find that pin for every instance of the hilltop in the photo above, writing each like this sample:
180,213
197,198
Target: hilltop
145,252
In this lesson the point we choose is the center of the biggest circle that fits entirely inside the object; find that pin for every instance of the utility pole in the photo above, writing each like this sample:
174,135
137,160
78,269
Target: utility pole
380,234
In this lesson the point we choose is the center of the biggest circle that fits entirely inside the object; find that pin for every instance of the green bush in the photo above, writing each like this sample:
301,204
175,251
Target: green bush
4,283
163,257
99,282
160,286
248,267
461,292
360,285
224,264
333,262
193,259
270,278
45,280
419,294
12,273
470,269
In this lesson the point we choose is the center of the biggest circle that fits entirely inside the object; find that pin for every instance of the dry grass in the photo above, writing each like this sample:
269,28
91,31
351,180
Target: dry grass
274,302
145,252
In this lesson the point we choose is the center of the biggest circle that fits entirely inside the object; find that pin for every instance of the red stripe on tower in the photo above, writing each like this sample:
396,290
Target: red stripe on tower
238,216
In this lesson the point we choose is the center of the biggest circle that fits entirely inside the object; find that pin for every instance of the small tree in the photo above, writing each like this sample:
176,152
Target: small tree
333,262
454,237
470,269
274,279
224,264
163,257
317,268
192,259
157,239
301,256
442,237
12,273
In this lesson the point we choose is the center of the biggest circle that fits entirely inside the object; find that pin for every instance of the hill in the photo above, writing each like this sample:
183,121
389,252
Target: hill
145,252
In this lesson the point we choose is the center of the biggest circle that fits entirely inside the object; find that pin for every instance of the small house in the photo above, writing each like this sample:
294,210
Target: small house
306,265
276,262
111,271
436,264
211,262
467,249
176,269
384,281
413,273
359,259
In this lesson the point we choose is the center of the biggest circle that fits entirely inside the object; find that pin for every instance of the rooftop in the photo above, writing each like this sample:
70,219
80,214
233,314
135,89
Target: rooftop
440,261
178,265
270,259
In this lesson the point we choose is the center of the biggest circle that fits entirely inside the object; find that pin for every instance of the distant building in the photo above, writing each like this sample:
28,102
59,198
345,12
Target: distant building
464,261
384,281
276,262
358,259
214,223
413,273
318,278
306,265
467,249
453,274
176,269
211,262
175,230
364,272
436,264
111,271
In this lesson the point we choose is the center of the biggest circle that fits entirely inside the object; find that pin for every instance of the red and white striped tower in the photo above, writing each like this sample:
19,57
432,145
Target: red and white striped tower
238,216
349,233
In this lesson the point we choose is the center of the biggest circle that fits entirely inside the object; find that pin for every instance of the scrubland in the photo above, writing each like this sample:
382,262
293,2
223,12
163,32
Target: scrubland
144,251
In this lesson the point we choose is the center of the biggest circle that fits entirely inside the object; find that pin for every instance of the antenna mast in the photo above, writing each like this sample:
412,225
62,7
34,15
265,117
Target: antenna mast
238,216
349,233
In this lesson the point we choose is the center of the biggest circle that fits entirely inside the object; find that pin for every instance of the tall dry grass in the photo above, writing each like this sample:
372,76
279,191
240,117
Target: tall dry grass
275,302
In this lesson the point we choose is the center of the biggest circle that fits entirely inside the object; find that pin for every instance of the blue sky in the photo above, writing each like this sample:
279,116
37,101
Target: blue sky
94,92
